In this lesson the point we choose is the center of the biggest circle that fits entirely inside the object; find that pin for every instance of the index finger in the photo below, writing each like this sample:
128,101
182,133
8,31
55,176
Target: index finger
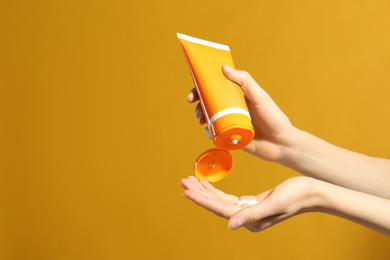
192,96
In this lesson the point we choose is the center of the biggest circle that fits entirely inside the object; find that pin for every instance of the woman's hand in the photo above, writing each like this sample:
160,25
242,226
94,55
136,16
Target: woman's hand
273,129
292,197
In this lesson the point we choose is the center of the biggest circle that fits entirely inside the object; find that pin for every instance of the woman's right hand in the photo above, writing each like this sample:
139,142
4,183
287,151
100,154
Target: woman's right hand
273,130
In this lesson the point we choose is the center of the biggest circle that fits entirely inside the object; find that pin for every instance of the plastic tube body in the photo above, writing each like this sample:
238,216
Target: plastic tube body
222,101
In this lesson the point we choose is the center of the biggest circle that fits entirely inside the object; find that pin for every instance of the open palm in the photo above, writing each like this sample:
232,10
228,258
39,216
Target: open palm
280,203
210,198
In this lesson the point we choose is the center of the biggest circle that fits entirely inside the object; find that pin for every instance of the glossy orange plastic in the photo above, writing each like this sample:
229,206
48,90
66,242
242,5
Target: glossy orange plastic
222,101
213,165
223,106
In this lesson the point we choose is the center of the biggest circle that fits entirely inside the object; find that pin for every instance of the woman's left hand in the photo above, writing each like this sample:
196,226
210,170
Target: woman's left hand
292,197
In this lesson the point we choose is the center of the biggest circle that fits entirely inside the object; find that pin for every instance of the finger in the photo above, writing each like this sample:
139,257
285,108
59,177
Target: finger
253,92
266,223
190,186
211,204
207,132
192,96
262,196
199,114
202,187
189,183
217,192
196,182
195,185
252,214
250,148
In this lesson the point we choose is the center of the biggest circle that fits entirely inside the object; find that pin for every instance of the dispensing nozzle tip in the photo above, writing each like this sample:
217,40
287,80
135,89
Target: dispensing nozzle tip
235,141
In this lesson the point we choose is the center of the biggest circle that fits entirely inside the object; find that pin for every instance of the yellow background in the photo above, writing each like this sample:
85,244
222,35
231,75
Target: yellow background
95,132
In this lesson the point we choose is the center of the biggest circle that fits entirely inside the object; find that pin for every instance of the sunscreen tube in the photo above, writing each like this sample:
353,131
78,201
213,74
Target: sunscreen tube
222,101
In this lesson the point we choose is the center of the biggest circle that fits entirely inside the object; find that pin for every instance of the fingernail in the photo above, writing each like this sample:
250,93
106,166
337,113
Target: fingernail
183,195
229,68
235,223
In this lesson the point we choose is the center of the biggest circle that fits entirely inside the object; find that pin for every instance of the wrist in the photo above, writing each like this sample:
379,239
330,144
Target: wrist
314,195
289,146
322,196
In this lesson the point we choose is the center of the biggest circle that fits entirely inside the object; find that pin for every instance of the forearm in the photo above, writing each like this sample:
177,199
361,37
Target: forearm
364,209
319,159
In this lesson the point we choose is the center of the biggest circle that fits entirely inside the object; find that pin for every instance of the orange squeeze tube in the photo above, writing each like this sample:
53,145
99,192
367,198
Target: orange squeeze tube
222,102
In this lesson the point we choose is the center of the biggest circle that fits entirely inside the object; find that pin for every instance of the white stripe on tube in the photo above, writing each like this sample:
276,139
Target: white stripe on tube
232,110
203,42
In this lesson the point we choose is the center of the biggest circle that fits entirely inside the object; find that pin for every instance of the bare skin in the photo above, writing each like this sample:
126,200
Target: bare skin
292,197
357,178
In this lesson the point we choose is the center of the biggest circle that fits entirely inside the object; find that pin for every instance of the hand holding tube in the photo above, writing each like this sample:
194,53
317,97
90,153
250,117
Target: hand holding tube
273,129
361,193
277,140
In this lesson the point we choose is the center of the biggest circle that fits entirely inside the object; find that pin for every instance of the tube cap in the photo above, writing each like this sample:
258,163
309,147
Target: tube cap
213,165
232,132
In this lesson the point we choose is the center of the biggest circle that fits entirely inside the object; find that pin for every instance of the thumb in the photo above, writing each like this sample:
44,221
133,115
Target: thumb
253,92
243,217
251,215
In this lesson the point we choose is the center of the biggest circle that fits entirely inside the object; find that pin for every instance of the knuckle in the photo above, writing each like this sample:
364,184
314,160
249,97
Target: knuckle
251,215
246,74
283,202
245,77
